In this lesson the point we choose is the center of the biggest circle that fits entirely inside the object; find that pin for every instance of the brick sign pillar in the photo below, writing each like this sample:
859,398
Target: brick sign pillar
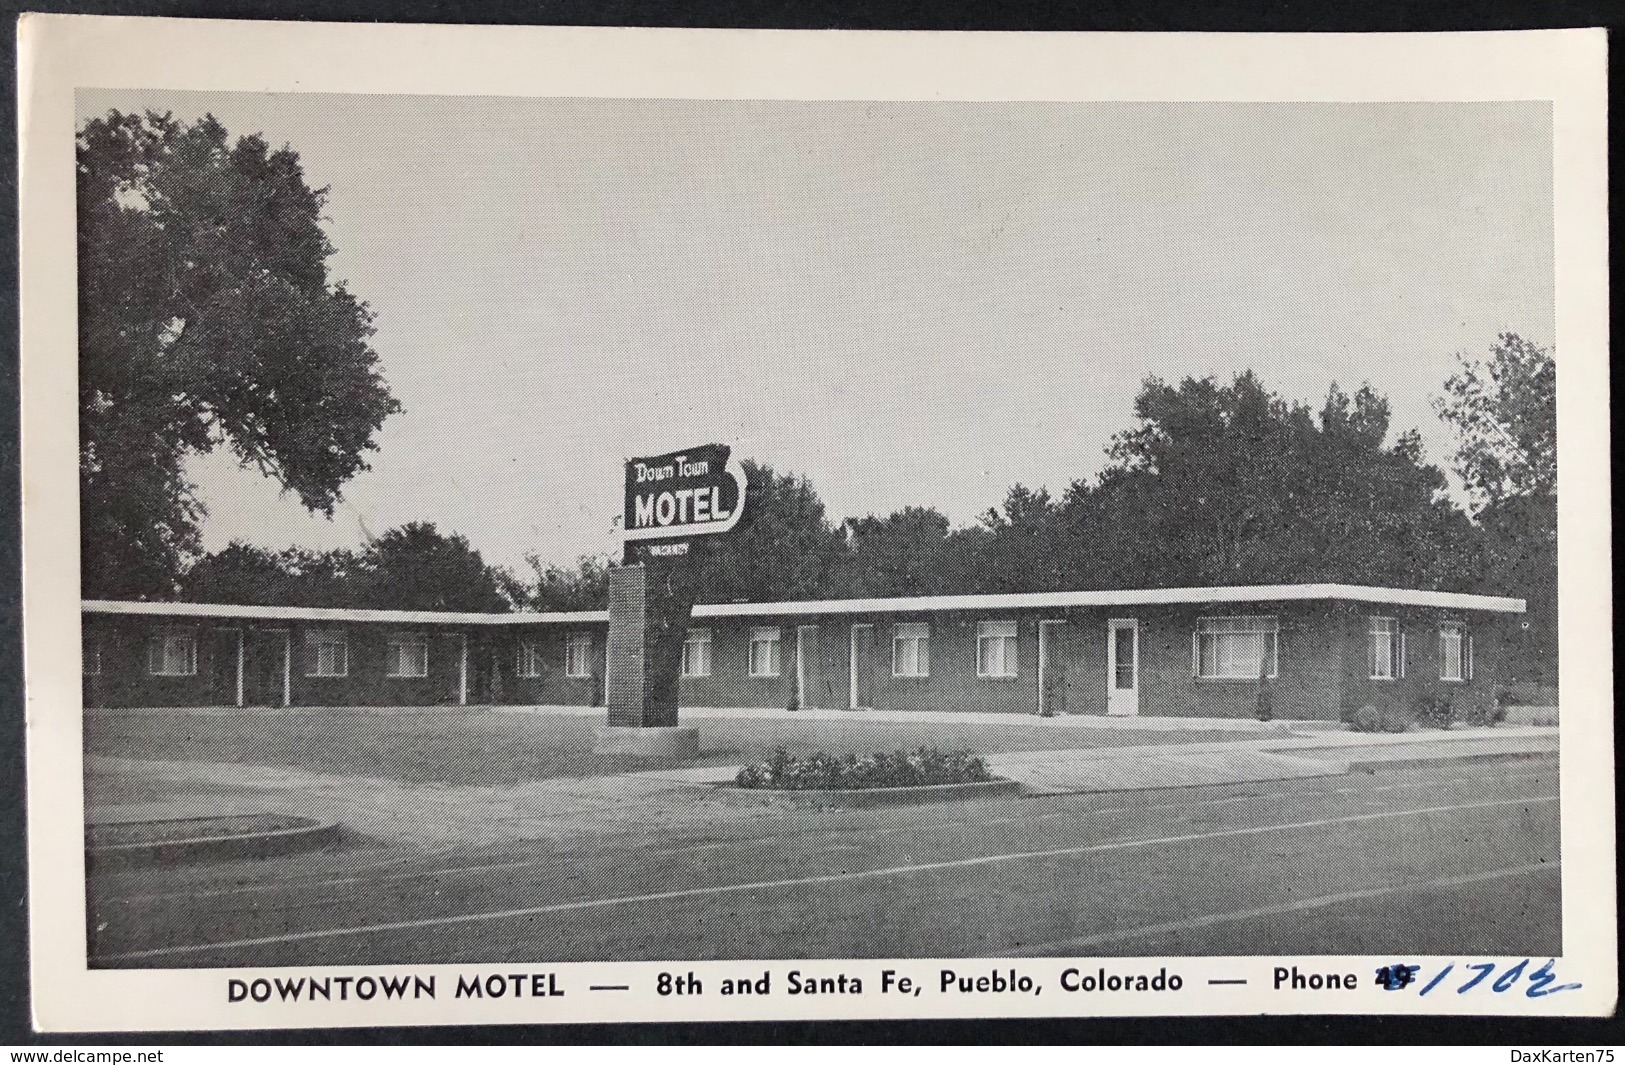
671,501
646,629
647,622
625,688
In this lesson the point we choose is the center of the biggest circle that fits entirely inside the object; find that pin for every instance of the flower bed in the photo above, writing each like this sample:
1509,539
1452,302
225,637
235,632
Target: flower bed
925,767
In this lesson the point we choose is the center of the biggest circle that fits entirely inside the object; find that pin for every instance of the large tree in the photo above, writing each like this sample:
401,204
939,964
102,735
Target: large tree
1230,484
583,586
414,567
784,549
417,567
206,319
1504,411
1023,548
912,551
243,573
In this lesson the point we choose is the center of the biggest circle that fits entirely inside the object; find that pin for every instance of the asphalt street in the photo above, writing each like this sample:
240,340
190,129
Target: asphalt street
1460,858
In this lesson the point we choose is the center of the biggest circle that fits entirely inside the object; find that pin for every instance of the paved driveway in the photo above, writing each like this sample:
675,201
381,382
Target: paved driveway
1454,859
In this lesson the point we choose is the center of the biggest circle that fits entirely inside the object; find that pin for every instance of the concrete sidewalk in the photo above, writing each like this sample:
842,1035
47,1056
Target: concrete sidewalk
1264,758
700,714
1254,761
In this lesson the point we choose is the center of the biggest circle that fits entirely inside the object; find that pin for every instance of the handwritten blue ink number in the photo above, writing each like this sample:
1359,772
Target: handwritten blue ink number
1540,981
1397,977
1433,983
1543,976
1484,968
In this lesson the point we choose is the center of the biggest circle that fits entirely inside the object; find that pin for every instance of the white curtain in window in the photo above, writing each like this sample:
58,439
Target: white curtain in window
697,653
996,648
764,652
911,650
1238,648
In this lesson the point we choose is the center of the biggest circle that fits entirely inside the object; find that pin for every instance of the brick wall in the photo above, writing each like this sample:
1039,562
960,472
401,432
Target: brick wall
730,683
125,679
1422,658
1324,669
951,684
366,682
1310,656
553,686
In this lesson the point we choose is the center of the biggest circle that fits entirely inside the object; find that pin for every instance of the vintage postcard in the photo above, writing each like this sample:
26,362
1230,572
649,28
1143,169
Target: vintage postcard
558,525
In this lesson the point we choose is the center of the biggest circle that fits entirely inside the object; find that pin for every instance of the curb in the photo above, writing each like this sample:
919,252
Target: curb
1376,764
862,798
313,835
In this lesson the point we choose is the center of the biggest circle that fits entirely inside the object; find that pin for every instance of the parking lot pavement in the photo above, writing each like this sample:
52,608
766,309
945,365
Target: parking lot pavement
1431,859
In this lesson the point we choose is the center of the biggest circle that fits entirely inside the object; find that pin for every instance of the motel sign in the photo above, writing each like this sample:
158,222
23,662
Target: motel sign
698,491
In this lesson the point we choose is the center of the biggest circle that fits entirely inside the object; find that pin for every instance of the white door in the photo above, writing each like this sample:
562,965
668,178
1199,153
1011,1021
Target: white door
1122,667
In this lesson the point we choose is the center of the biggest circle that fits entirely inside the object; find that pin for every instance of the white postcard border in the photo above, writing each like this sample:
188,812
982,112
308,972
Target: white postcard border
59,54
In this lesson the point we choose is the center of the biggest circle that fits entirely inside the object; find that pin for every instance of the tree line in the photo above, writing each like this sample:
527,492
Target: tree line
1213,485
208,319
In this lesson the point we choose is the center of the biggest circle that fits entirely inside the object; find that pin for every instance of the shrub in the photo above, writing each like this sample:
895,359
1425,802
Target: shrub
899,769
1265,710
1484,711
1395,720
1436,711
1365,719
1389,719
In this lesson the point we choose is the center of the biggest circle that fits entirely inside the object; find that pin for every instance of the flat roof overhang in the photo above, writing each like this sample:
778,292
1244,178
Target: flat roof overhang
1265,593
241,612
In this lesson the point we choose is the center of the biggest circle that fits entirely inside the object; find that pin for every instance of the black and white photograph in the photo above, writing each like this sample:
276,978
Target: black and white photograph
767,553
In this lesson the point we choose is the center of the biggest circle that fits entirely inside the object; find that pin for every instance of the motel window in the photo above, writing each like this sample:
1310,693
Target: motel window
172,654
407,656
764,652
911,650
1455,652
327,654
1386,649
90,658
531,660
1240,648
578,655
697,653
995,648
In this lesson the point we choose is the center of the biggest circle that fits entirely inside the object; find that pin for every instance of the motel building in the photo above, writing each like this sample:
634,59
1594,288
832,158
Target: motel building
1328,649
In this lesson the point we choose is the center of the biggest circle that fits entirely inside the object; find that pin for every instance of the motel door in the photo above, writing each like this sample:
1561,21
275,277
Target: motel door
806,667
862,693
1122,667
267,667
1052,658
226,662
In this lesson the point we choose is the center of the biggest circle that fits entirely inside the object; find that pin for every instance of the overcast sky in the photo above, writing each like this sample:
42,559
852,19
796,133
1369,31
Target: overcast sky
910,303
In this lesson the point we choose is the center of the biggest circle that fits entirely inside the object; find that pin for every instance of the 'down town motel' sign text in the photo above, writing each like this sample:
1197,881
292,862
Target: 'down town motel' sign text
670,500
698,491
